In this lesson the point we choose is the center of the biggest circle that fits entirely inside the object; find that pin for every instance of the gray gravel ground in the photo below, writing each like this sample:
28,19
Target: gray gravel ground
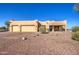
53,43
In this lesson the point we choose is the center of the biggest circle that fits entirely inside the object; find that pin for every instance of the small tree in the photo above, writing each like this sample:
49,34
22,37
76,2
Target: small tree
75,28
7,23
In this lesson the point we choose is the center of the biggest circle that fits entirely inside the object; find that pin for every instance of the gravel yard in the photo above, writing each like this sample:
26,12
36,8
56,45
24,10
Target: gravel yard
53,43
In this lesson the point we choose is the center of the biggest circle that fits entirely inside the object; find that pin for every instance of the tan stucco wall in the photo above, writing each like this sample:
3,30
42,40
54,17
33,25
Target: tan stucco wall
23,23
34,23
57,22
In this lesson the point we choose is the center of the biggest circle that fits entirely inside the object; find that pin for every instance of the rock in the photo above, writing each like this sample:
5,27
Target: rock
34,36
23,38
37,34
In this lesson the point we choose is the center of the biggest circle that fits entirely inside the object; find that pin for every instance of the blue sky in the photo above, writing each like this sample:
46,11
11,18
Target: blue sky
40,11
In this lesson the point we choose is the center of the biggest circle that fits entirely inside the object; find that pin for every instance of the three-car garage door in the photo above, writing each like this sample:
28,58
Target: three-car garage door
27,28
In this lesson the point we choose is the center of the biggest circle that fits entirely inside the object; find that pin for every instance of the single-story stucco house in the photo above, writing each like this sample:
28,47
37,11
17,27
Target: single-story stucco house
33,26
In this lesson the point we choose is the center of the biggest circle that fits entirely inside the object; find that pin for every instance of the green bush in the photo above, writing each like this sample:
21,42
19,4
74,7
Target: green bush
2,29
75,28
42,29
75,36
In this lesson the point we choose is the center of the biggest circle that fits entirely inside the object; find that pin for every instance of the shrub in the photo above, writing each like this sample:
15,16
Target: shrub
75,28
75,36
42,29
2,29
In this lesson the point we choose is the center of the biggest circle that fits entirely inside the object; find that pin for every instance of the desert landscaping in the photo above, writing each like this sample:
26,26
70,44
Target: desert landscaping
53,43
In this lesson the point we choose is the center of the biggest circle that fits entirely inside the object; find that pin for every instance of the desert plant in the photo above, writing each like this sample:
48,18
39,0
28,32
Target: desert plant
75,36
42,29
75,28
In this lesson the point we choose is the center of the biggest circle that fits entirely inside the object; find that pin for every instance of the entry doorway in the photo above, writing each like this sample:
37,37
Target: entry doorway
56,28
50,28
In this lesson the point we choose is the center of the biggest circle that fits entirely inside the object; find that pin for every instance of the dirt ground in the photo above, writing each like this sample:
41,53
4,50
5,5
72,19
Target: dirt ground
53,43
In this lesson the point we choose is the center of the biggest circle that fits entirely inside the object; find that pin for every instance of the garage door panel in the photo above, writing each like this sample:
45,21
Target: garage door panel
28,29
16,29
